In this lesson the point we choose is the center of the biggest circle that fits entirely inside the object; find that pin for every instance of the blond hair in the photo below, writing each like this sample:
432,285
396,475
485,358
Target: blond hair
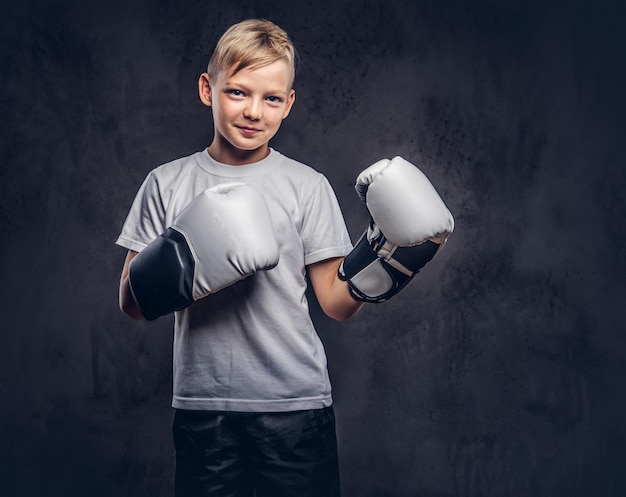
252,43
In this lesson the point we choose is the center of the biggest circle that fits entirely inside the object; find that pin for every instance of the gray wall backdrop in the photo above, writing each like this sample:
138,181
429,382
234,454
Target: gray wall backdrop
500,371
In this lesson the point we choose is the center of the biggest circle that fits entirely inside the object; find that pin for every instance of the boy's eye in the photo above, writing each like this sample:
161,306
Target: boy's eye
274,100
235,93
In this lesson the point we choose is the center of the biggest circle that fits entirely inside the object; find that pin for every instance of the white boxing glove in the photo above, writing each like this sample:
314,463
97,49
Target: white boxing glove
224,235
409,225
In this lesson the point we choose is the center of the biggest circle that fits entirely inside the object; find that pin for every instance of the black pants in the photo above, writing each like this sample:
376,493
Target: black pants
291,454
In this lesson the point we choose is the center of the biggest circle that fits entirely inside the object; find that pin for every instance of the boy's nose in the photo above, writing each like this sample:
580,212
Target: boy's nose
254,110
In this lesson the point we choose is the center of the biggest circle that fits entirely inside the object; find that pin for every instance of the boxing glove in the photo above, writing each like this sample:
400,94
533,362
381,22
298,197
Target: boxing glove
224,235
409,225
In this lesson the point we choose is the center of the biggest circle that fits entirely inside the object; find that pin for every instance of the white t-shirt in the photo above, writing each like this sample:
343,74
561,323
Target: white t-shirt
251,346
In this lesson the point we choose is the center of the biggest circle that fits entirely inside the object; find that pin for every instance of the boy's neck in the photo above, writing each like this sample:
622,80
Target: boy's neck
235,156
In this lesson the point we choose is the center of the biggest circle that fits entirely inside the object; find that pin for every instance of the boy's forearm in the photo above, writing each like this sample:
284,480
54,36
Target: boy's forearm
342,305
126,301
332,293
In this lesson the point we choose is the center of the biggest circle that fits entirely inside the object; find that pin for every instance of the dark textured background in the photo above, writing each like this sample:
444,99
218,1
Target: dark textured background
499,372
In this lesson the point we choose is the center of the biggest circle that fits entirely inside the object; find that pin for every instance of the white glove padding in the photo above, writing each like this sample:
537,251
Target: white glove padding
224,235
410,223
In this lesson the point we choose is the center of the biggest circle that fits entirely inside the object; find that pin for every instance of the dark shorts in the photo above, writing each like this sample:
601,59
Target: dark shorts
256,454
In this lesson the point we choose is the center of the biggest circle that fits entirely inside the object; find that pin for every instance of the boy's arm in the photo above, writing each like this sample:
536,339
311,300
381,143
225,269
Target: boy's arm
127,302
332,294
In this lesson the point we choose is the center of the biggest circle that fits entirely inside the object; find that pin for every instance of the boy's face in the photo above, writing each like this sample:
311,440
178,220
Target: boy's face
248,108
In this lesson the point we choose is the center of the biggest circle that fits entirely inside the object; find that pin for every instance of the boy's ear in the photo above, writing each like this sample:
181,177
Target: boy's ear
291,98
204,89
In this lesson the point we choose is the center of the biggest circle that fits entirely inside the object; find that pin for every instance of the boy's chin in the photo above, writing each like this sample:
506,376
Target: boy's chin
250,149
240,154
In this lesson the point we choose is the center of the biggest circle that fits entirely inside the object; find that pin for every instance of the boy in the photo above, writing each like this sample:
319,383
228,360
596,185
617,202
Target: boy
251,389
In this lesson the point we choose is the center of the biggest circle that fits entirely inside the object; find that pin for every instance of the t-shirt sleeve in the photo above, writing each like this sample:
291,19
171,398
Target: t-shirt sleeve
324,233
146,218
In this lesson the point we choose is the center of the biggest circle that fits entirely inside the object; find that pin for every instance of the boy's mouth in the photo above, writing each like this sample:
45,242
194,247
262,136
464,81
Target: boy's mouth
248,131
